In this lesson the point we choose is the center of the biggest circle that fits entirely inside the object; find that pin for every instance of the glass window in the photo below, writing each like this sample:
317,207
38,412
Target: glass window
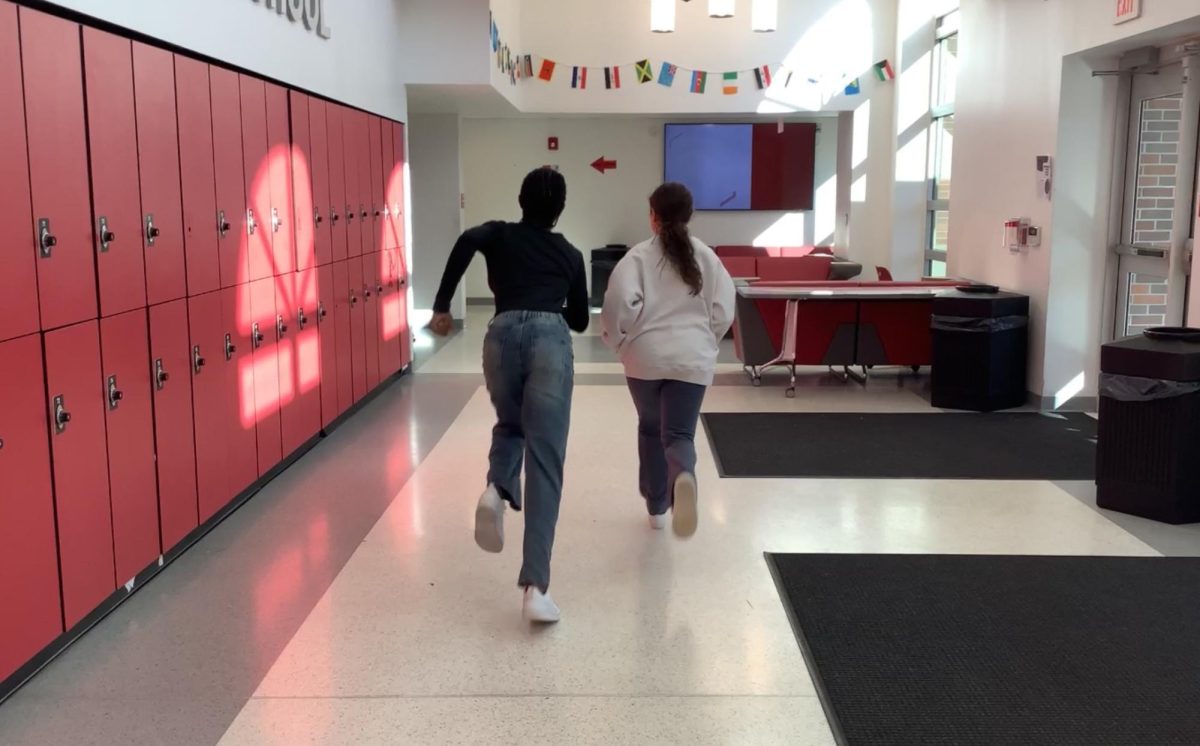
943,81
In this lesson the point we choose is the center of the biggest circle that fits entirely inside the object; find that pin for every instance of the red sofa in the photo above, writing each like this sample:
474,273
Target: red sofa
780,263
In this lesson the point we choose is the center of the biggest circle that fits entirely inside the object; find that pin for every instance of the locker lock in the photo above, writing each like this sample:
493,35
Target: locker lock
223,225
276,221
161,376
106,236
152,231
198,360
61,416
256,336
349,212
281,327
353,298
362,209
115,395
333,215
301,318
251,226
317,219
46,240
230,347
321,312
379,289
366,292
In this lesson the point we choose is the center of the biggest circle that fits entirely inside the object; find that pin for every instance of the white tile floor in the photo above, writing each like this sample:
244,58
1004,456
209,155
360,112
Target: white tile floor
419,639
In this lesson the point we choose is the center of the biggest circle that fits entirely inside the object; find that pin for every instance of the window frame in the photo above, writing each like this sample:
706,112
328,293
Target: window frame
945,27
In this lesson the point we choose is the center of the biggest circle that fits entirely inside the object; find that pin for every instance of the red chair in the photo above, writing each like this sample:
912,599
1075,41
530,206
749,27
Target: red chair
885,274
740,266
774,269
740,251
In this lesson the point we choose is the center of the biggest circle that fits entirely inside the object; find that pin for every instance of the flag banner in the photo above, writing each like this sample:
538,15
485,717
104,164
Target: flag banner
547,72
762,77
853,88
731,84
883,71
787,76
612,77
667,76
527,66
699,81
495,36
644,74
579,77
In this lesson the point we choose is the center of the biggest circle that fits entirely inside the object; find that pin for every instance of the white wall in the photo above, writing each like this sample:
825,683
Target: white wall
612,208
436,218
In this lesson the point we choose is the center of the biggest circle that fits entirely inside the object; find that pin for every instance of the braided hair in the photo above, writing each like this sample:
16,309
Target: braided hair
672,206
543,197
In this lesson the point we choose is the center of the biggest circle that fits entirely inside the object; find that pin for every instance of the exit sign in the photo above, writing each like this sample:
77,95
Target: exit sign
1128,10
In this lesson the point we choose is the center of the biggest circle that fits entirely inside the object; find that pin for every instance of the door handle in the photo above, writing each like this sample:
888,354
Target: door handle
61,416
317,219
301,318
107,237
321,312
250,224
281,327
115,395
276,221
349,212
366,293
161,376
230,347
198,360
152,231
46,240
333,216
256,336
223,225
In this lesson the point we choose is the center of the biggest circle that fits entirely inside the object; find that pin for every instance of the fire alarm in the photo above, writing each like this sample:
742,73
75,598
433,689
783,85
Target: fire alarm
553,143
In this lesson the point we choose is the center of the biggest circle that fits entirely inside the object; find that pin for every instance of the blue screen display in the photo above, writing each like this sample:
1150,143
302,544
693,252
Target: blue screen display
712,160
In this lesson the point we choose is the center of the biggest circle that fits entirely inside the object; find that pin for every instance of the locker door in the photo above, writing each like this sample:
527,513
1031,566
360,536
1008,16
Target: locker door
129,420
388,164
265,336
399,207
373,292
319,168
302,183
28,563
358,331
80,467
300,362
345,303
198,177
158,164
375,132
229,168
351,139
241,410
328,337
58,175
171,365
390,316
212,392
116,195
257,175
18,274
365,191
282,218
338,200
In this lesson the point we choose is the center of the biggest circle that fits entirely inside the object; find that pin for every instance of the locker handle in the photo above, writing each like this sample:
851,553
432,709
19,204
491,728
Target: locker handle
223,225
115,395
46,240
281,326
353,299
107,237
366,292
161,376
349,212
363,210
321,312
250,224
379,289
387,211
333,216
198,360
256,336
152,231
317,219
378,212
301,318
230,347
276,221
61,416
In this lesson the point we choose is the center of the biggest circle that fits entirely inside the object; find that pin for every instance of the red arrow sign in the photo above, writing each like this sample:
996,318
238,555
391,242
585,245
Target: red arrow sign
603,165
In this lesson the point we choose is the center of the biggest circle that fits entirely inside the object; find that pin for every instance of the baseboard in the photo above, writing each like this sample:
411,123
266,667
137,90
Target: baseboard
1077,404
480,301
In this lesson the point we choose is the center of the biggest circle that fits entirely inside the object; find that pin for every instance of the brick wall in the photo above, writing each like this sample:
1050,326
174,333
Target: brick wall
1158,156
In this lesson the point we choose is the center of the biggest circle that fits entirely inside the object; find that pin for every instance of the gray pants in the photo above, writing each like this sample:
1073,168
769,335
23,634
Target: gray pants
667,415
529,366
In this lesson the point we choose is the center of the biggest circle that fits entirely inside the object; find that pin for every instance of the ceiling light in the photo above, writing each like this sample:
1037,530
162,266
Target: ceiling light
721,8
662,16
765,15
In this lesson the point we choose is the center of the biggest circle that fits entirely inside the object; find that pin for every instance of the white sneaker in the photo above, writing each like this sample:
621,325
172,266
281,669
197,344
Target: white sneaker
539,608
685,512
489,521
658,522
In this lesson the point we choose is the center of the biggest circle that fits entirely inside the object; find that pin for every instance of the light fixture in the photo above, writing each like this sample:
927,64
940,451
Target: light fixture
662,16
765,15
721,8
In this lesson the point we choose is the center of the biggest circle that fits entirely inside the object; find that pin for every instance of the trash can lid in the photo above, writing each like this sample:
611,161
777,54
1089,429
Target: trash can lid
1152,357
980,305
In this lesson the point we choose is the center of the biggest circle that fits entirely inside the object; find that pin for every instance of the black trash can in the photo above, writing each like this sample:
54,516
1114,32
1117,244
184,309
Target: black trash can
980,348
604,261
1148,458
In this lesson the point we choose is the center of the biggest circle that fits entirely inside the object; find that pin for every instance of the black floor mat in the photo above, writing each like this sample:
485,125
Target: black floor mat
1005,445
1000,650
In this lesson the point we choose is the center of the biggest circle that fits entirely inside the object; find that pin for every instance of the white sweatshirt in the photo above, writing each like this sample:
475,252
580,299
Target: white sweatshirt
654,323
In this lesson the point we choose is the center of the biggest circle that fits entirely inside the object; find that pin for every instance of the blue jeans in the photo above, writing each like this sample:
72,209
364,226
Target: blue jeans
667,415
529,366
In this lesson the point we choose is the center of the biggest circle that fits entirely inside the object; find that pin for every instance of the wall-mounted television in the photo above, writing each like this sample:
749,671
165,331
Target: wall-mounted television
743,166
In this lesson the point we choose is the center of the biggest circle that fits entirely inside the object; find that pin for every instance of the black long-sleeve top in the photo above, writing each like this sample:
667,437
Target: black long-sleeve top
529,269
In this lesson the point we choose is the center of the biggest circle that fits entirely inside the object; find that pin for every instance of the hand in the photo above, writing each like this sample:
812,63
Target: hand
442,324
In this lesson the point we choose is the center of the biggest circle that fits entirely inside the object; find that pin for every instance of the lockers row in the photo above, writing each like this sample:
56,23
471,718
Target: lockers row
134,176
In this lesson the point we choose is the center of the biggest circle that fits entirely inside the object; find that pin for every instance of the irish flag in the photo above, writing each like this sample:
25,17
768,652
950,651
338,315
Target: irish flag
731,84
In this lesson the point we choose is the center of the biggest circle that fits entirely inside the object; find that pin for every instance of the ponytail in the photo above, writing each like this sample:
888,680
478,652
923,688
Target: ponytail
672,206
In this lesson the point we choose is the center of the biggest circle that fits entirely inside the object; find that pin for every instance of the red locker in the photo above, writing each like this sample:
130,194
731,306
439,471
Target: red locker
359,302
18,274
198,177
302,183
365,191
257,174
299,361
158,164
58,171
279,165
390,238
346,304
339,219
326,303
241,411
266,330
375,145
229,168
80,467
129,421
399,207
28,563
372,315
172,361
212,392
116,195
391,316
319,170
351,140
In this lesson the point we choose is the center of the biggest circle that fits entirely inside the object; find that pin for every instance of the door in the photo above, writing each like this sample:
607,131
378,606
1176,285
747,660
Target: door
302,182
299,361
267,327
279,166
229,166
339,219
391,315
1157,223
365,191
375,145
129,422
52,67
319,168
359,302
175,443
327,328
241,415
28,563
352,139
396,183
84,516
158,164
116,195
257,177
345,303
372,315
212,393
197,176
388,158
18,274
